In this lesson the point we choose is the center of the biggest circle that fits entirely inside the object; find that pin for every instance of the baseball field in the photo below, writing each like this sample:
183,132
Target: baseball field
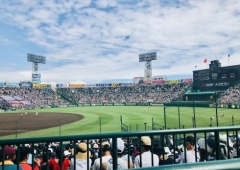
95,119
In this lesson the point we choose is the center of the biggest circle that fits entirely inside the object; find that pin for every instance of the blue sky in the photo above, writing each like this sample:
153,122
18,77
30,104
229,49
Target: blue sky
97,40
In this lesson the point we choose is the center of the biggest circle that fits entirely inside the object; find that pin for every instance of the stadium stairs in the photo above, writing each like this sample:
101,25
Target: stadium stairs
67,96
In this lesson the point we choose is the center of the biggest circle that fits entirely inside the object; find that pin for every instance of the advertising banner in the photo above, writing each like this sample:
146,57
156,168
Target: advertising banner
91,85
59,85
125,84
188,80
36,82
36,85
159,79
45,85
138,80
77,85
148,72
2,84
25,84
36,79
12,84
171,81
114,84
102,85
104,101
36,75
65,85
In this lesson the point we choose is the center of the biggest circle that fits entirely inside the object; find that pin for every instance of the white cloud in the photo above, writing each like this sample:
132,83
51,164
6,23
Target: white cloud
106,36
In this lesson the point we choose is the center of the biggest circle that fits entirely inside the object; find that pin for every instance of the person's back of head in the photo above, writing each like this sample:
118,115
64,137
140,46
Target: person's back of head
106,147
146,143
24,152
9,153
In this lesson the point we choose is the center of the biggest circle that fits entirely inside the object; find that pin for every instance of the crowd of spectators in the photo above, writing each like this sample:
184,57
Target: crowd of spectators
134,93
82,156
231,95
27,97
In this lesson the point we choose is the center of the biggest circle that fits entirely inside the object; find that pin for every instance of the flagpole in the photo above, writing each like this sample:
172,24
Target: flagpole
215,53
228,59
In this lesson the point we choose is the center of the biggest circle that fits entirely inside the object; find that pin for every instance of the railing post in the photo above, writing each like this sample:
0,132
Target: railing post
217,142
115,155
145,127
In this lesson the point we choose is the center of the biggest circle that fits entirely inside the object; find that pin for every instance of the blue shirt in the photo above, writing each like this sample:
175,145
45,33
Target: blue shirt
11,167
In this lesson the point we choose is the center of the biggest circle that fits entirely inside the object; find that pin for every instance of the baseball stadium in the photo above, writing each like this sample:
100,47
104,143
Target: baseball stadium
152,115
119,84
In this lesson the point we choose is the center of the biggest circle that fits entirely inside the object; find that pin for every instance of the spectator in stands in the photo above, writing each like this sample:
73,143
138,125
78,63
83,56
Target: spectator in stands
24,153
54,161
66,162
146,156
81,157
131,151
122,164
225,149
95,152
106,152
190,152
9,157
164,159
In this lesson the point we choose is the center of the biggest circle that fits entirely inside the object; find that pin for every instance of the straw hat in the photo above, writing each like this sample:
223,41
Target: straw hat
82,151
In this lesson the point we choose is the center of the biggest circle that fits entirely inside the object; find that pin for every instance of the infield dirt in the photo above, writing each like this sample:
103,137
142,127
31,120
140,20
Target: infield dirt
10,122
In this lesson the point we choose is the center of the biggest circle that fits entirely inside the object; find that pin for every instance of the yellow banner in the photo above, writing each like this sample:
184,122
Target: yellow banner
36,85
171,81
77,85
114,84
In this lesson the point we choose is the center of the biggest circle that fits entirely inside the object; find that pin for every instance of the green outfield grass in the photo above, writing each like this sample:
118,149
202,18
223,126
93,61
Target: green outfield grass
132,116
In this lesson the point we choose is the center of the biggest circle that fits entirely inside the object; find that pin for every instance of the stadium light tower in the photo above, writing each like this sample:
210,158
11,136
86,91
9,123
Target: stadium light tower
147,58
36,59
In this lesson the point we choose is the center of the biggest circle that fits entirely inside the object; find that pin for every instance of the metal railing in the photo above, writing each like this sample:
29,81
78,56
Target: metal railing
128,136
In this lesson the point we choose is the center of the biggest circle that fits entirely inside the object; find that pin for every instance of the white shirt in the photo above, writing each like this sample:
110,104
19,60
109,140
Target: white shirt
96,165
80,164
122,164
190,157
146,160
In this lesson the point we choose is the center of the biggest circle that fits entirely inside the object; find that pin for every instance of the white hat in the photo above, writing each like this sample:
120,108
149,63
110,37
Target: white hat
66,153
201,142
120,145
210,142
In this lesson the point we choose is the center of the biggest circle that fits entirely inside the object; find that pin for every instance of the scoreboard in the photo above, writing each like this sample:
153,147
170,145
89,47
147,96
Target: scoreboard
216,77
